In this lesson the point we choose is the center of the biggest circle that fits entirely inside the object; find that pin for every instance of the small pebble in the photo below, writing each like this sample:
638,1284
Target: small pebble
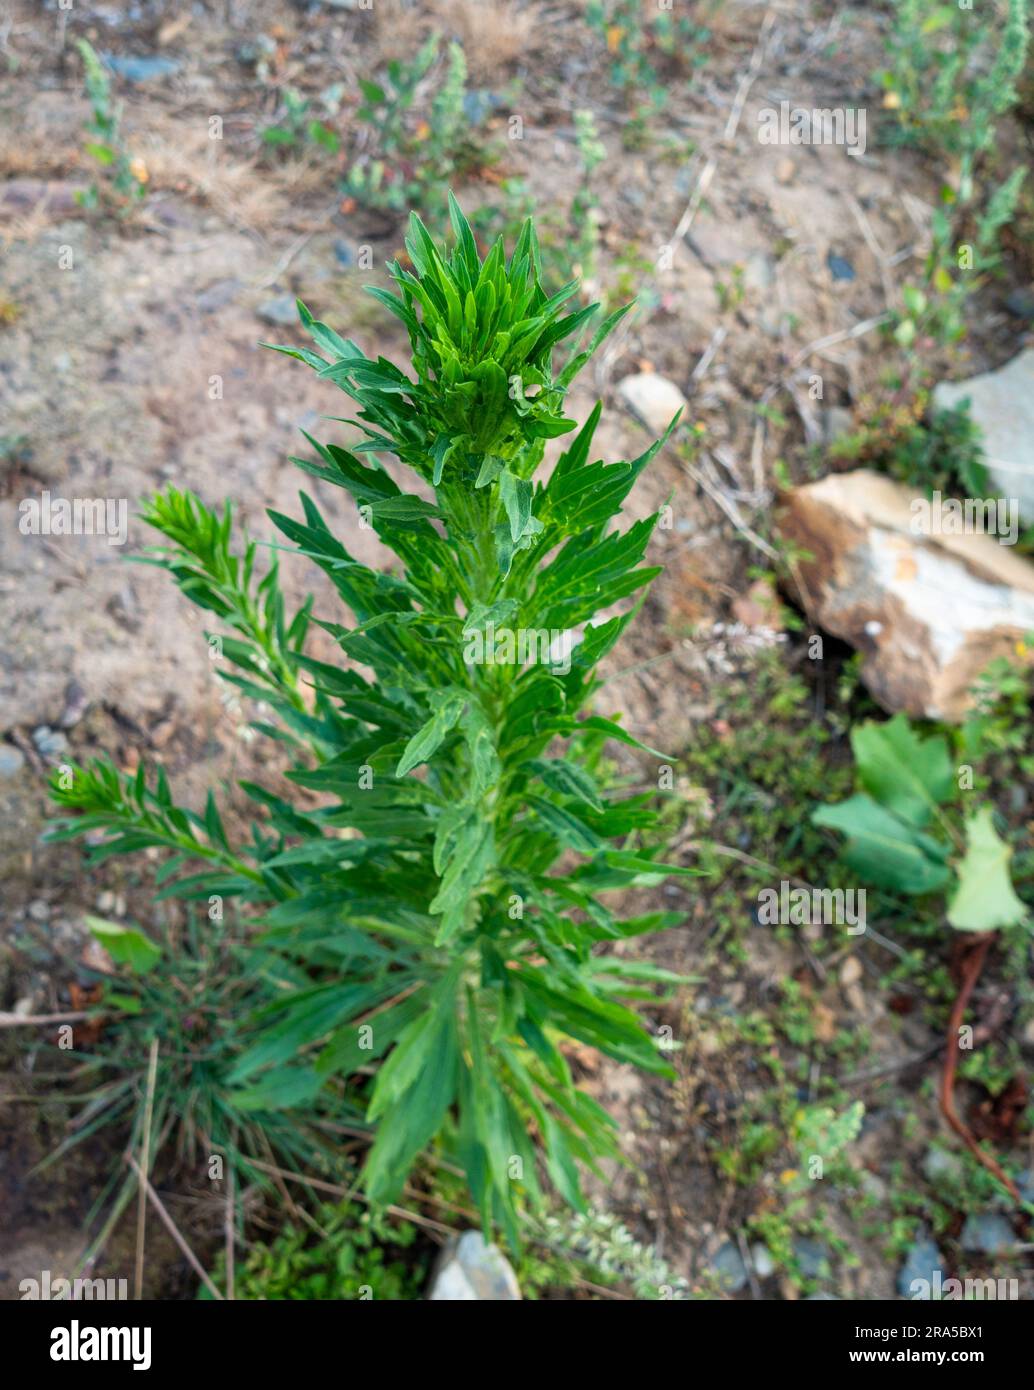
50,743
12,760
942,1167
729,1268
764,1265
1021,303
850,971
840,268
812,1257
281,311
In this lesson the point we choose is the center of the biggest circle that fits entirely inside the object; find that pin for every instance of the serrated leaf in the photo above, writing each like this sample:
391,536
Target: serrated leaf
907,774
430,736
515,494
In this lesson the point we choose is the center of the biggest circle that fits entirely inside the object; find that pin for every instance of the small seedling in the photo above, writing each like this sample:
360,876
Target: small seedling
125,178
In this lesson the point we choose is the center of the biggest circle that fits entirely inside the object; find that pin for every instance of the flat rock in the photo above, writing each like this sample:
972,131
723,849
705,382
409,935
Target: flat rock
142,69
988,1233
471,1270
1002,404
653,398
922,1264
929,612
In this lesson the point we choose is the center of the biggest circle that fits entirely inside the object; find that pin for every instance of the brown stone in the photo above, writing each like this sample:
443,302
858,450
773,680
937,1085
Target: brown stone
929,611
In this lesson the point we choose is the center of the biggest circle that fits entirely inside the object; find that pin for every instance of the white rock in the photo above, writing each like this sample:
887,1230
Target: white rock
764,1265
1002,404
928,611
471,1270
653,398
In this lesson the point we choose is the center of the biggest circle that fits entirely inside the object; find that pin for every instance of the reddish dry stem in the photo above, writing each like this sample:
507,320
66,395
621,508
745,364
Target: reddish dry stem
972,966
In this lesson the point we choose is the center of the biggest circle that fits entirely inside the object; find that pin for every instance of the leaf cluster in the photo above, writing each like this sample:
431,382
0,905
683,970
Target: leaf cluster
899,837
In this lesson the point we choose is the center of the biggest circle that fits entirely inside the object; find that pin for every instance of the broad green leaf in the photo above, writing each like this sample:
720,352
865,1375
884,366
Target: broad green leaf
907,774
885,850
984,899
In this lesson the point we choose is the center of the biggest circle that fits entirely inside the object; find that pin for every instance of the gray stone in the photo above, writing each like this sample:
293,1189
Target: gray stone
50,743
922,1262
470,1270
943,1168
478,104
139,69
280,310
217,294
834,422
653,398
764,1265
759,272
812,1256
728,1267
1002,404
839,268
12,760
1021,303
988,1233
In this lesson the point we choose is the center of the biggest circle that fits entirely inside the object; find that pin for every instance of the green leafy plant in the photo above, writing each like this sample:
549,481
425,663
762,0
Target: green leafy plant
643,52
939,451
567,1245
999,728
899,836
952,72
444,900
408,163
297,126
952,76
125,178
347,1253
958,263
